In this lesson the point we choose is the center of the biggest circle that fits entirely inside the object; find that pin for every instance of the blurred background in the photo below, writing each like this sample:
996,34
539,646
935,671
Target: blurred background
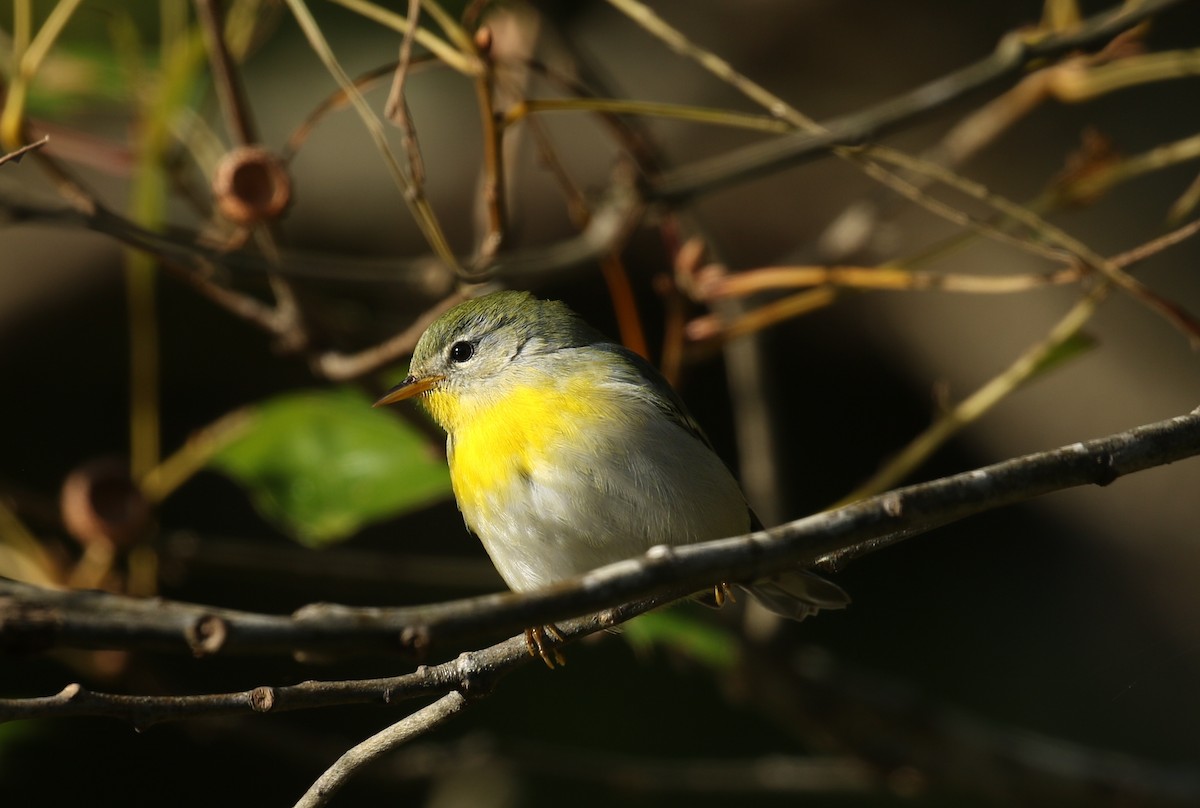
1044,653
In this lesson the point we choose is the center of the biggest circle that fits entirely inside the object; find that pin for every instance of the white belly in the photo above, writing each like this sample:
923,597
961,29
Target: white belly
607,500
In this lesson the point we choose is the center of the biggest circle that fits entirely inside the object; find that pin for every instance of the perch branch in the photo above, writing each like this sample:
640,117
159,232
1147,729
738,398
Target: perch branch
473,674
32,617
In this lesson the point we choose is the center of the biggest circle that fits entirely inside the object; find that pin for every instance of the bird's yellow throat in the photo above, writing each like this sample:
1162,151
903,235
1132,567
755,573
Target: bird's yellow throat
502,434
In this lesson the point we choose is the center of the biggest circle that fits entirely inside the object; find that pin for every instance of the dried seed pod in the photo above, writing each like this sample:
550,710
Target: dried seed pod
251,185
101,504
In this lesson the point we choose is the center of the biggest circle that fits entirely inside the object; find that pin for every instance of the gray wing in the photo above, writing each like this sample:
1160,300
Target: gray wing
663,396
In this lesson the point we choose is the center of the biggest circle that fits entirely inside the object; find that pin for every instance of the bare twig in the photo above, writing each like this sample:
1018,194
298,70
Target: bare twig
612,267
379,744
286,314
492,187
417,203
33,617
892,278
338,366
338,100
230,93
1113,272
15,156
396,109
613,219
473,674
970,409
1011,56
621,106
28,54
453,57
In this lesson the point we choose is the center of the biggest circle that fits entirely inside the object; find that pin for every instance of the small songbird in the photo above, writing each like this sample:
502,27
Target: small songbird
568,451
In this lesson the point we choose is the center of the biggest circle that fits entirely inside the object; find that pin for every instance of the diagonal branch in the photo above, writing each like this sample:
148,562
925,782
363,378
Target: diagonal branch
32,617
15,156
1012,55
379,744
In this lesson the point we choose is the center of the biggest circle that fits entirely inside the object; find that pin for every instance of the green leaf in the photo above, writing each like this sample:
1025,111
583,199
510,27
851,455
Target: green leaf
321,464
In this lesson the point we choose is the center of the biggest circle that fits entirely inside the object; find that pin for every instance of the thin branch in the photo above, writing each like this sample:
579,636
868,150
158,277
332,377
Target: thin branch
396,108
973,407
239,120
380,744
1012,55
711,328
443,50
1113,272
338,100
474,673
613,219
229,89
337,366
187,250
493,190
644,16
28,55
983,126
612,267
891,278
652,109
15,156
31,617
417,203
972,134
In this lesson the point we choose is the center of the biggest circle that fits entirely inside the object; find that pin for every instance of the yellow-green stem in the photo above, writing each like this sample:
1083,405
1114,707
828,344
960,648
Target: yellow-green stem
28,55
181,59
975,405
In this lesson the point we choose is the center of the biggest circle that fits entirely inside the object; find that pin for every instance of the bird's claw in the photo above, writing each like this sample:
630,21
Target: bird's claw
543,642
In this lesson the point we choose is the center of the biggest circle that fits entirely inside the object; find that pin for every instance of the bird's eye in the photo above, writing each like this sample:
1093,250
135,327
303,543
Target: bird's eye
461,351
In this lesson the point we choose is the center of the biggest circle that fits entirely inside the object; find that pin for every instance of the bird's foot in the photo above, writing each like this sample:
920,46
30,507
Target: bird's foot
543,642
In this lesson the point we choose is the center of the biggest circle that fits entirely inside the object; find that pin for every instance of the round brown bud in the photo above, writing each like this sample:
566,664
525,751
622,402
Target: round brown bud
251,185
101,503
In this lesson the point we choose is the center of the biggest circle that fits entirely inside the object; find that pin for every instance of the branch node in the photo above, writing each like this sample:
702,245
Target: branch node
660,552
472,681
101,504
416,638
262,699
207,634
483,41
1106,469
609,617
892,504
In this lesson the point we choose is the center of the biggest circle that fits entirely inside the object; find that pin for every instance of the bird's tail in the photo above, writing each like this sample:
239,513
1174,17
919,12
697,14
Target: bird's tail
796,594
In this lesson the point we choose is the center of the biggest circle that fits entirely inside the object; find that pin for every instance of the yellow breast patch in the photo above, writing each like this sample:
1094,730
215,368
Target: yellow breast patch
505,436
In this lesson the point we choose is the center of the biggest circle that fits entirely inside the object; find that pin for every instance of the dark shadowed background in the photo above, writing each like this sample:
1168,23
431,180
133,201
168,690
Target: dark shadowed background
976,662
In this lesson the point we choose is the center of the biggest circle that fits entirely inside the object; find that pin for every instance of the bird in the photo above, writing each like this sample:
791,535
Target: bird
568,451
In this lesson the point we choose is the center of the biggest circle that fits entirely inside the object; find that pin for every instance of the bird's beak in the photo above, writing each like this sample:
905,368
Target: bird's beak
412,386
